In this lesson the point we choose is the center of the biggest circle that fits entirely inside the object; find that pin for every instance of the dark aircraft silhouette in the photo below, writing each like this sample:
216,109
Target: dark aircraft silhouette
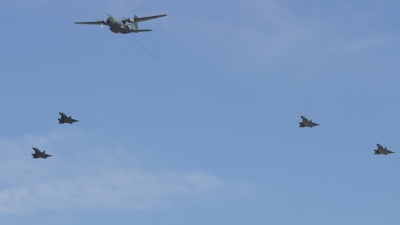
39,154
307,123
65,119
125,26
382,150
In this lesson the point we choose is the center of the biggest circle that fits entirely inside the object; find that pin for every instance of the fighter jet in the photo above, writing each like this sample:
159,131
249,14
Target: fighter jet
125,26
382,150
307,123
39,154
65,119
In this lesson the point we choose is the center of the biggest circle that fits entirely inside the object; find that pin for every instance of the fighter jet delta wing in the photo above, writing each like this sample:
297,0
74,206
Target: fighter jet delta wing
39,154
307,123
382,150
66,119
36,149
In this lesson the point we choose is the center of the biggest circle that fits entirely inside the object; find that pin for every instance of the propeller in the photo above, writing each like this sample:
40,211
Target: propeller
105,22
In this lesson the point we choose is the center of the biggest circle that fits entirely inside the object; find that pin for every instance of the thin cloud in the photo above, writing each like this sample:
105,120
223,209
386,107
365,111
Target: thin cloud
33,186
122,189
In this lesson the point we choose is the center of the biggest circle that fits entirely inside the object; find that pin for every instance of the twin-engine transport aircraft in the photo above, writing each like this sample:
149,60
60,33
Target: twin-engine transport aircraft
307,123
125,26
382,150
39,154
66,119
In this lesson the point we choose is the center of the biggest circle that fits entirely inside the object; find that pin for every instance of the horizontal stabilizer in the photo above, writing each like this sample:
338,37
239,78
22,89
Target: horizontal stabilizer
144,30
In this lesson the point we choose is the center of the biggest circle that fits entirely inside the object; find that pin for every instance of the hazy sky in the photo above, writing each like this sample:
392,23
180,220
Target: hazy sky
207,131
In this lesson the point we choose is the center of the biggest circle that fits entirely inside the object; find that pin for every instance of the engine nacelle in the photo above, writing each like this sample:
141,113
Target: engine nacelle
115,31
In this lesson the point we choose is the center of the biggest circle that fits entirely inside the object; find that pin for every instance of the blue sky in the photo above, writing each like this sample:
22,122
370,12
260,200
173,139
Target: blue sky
206,132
